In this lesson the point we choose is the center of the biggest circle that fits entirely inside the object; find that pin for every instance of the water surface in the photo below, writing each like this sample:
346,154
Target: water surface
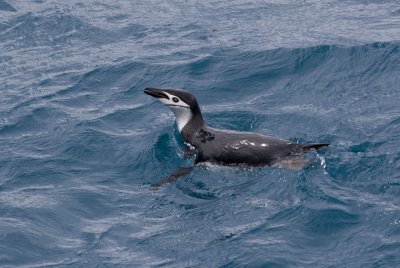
81,145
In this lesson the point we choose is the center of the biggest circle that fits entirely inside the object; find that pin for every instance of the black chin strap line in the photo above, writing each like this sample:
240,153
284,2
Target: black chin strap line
178,106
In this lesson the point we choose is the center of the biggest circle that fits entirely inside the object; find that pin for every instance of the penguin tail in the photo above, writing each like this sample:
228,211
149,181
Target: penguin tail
308,147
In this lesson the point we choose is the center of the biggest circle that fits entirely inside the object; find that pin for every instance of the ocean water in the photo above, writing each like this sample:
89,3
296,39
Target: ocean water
81,144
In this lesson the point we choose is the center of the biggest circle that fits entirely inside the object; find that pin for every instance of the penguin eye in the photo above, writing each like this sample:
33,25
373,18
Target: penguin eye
175,99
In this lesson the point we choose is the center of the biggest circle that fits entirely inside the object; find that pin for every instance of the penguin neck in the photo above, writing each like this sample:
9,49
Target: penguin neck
191,127
182,117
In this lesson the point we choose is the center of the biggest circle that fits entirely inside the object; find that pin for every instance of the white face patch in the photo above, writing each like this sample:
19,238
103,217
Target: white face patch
181,109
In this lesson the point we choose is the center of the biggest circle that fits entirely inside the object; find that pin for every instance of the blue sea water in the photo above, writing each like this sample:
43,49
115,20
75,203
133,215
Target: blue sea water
81,144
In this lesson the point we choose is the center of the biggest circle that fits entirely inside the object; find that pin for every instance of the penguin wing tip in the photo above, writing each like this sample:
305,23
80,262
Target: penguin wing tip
315,146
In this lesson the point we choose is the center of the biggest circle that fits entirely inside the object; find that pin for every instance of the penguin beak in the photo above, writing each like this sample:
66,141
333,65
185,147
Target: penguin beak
156,93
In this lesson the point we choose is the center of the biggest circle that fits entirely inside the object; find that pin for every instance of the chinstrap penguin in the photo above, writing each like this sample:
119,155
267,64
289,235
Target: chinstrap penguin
225,147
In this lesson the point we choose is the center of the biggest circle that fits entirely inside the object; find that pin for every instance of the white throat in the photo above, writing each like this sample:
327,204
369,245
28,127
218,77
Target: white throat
182,116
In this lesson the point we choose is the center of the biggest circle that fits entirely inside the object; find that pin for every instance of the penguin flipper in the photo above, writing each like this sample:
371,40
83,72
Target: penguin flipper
307,147
179,172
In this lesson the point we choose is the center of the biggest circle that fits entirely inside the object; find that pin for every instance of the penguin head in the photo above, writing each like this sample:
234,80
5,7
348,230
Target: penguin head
182,103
